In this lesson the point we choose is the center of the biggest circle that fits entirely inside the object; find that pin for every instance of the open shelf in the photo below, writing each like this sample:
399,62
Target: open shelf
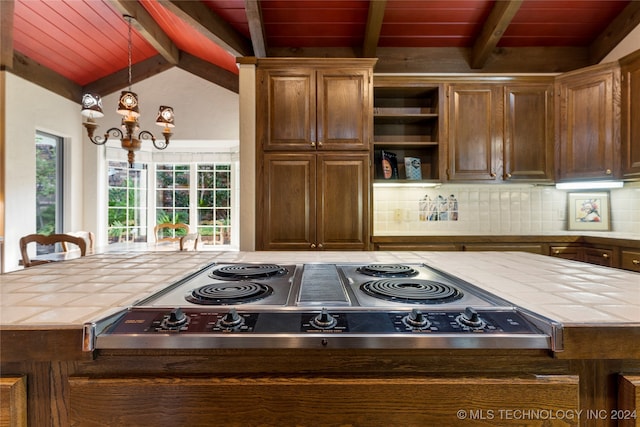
406,123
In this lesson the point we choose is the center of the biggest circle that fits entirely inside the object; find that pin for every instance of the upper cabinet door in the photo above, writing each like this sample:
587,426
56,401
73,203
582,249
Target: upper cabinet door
308,109
475,132
286,109
630,128
528,138
344,109
589,114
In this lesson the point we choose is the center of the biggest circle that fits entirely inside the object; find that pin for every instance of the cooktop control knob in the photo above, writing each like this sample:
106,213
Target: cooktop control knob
175,319
231,320
416,319
324,320
470,318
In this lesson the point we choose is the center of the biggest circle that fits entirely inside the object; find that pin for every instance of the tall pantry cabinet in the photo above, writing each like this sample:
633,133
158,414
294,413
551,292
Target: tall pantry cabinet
313,130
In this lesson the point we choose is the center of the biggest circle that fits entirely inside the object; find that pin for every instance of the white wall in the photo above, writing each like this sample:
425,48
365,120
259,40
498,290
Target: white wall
30,108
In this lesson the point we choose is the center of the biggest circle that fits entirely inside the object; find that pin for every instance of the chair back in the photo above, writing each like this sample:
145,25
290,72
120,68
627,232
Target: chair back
51,239
88,237
185,238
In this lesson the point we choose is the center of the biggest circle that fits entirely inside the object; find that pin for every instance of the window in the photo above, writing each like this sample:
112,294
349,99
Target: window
198,194
127,203
48,183
202,198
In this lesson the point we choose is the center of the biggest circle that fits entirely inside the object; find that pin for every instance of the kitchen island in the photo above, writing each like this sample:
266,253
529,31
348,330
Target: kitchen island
590,380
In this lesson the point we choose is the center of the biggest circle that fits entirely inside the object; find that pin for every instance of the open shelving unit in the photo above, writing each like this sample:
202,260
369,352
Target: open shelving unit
407,123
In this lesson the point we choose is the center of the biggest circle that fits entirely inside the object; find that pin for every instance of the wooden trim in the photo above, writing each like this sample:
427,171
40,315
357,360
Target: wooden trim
13,401
41,345
628,399
317,63
6,34
599,342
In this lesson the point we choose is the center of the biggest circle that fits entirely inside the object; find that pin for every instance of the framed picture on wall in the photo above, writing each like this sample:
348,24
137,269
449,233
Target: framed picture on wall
588,211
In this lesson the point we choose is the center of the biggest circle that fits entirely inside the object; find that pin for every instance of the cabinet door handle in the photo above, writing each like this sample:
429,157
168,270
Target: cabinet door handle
556,252
492,174
508,176
319,143
313,144
320,245
608,171
635,261
605,256
313,245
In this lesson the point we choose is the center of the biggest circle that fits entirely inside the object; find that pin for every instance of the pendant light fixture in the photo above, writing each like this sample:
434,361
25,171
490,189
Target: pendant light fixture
128,108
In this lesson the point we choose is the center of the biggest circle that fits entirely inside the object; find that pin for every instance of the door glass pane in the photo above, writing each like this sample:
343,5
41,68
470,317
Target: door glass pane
127,203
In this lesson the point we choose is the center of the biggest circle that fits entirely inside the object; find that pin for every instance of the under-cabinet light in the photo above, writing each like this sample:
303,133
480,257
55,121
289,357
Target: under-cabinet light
407,184
589,185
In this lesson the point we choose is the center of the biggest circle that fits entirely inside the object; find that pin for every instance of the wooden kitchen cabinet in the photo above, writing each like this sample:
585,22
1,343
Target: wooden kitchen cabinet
588,104
314,105
630,111
315,201
501,132
528,132
475,131
316,400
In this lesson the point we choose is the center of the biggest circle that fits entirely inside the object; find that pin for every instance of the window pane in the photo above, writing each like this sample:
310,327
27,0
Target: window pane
48,185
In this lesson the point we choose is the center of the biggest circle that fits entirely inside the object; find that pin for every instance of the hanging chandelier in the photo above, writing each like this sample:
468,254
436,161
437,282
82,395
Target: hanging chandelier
128,108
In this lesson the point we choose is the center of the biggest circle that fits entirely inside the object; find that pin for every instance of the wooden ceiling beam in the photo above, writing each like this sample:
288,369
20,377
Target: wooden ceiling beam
374,26
40,75
119,80
149,29
492,31
210,24
256,27
617,30
210,72
6,33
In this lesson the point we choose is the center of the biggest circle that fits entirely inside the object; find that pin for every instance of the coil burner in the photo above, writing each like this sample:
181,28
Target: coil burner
247,271
388,270
229,293
412,291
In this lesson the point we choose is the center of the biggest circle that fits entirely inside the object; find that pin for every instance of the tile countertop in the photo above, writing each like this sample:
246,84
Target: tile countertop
70,293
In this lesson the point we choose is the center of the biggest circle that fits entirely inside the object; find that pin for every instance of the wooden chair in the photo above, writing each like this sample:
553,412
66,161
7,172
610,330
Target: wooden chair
184,240
88,237
51,239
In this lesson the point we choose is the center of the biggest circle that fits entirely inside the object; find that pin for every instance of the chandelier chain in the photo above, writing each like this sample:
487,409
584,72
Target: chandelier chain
130,48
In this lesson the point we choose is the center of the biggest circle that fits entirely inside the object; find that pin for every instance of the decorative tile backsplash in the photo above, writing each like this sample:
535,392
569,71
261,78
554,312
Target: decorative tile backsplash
501,209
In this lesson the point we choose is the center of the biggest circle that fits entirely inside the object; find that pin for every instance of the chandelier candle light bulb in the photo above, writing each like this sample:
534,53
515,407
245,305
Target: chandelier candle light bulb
128,107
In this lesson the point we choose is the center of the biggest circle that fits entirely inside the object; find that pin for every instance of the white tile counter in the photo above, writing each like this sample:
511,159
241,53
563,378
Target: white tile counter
67,294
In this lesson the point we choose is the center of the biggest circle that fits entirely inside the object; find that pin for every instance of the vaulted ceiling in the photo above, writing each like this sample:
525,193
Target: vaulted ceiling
71,46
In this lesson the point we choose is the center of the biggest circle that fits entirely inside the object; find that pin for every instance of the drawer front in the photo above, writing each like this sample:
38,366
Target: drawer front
630,260
599,256
566,252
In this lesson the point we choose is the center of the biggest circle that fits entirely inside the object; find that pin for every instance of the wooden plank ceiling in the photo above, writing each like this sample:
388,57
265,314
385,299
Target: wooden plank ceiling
71,46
